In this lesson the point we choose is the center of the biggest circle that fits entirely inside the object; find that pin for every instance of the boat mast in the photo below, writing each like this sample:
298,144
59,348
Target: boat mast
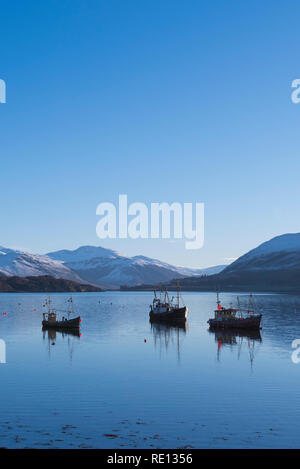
251,301
71,308
239,305
167,300
218,298
178,293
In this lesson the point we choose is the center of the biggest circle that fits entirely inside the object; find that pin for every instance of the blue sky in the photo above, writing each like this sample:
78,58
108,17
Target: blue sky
106,97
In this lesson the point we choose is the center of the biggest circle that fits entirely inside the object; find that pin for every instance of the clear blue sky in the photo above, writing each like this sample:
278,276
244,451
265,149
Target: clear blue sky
105,96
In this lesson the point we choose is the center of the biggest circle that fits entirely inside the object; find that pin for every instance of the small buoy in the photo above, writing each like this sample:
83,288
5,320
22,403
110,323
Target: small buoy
53,343
145,340
4,314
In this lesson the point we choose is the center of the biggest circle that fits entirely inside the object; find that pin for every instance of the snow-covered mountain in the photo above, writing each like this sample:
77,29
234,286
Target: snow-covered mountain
281,252
96,265
23,264
274,266
108,268
83,253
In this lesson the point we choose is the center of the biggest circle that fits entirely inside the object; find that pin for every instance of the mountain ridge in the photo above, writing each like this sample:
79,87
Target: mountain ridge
93,265
272,266
114,269
23,264
278,252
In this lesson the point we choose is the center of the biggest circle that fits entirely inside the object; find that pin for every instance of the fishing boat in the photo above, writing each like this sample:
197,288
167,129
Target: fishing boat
231,318
165,310
52,320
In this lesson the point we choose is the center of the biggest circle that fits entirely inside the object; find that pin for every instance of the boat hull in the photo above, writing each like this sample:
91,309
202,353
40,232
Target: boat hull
67,324
253,322
173,315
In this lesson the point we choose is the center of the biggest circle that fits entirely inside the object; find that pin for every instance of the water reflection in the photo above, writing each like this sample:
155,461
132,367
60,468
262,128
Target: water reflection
108,382
238,339
168,335
52,335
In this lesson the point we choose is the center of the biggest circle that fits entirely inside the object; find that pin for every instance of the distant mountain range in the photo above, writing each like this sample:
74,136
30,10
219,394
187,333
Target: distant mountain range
24,264
272,266
110,269
94,265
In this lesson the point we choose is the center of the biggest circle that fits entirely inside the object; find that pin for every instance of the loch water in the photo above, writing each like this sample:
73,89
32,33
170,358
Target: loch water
124,383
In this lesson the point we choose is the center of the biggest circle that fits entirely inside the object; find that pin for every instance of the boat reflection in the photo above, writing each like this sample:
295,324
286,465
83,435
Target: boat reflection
237,338
168,335
52,335
63,333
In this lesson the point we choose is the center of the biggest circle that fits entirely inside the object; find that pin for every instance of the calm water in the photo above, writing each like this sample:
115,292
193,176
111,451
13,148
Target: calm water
181,388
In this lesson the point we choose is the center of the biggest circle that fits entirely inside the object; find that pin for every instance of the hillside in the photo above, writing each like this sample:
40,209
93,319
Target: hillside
23,264
42,284
273,266
281,252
